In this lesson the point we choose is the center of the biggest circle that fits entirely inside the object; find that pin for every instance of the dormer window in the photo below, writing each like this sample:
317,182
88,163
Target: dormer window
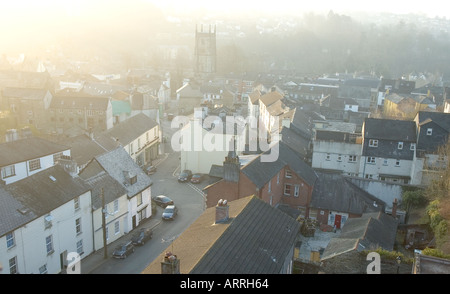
429,131
48,221
373,143
413,147
400,145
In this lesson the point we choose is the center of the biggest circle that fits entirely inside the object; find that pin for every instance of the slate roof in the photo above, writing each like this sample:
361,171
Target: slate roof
126,131
118,164
83,148
24,93
294,141
261,172
254,97
442,119
270,98
255,240
27,148
79,102
39,194
332,191
389,129
370,231
302,123
111,189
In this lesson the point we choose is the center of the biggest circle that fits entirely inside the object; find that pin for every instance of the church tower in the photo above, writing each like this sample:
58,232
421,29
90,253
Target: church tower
205,50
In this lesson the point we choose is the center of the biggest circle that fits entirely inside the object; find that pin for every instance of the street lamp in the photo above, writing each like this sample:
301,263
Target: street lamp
399,260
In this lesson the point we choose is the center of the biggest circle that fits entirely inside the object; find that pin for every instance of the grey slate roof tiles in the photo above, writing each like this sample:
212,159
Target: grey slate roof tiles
38,194
117,163
28,148
257,241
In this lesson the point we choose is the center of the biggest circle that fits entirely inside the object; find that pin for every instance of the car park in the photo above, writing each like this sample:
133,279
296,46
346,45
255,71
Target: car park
123,250
196,178
162,200
170,212
185,176
143,235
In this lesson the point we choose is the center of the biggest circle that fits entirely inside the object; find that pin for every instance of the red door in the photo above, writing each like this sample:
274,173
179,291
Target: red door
337,221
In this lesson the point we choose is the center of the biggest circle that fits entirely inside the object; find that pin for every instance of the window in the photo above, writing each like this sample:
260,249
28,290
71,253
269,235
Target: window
288,174
370,159
131,148
116,205
139,199
412,147
328,156
49,244
78,225
76,203
429,132
139,143
48,221
296,190
13,265
10,240
397,162
57,157
400,145
8,171
270,186
116,228
34,164
368,176
107,233
373,143
287,189
278,178
352,158
80,247
146,137
43,269
339,158
385,161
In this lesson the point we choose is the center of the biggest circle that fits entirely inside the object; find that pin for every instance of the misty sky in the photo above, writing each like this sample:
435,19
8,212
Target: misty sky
23,22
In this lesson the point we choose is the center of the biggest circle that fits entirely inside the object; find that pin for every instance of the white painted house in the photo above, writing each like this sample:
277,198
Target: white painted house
131,181
43,219
201,147
22,158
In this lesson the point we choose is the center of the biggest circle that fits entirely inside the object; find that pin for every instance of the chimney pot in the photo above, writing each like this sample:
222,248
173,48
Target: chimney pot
394,208
222,211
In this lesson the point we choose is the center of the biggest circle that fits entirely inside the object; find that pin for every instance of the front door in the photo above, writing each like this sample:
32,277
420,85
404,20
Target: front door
134,221
337,221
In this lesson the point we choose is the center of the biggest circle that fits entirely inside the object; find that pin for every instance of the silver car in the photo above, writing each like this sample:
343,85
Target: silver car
170,212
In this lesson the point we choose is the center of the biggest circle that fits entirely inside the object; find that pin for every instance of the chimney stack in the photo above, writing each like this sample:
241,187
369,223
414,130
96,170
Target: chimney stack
222,209
394,208
170,264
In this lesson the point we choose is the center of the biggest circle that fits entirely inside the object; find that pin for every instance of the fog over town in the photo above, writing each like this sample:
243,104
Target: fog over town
224,137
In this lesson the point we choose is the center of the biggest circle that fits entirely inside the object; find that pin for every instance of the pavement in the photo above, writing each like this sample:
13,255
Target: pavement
94,260
97,258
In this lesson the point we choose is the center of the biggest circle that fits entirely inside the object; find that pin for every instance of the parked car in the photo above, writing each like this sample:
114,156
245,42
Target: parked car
162,200
185,176
123,250
150,170
142,236
170,212
196,178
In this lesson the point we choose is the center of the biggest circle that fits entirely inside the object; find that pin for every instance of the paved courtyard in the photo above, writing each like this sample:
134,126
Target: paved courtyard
318,243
